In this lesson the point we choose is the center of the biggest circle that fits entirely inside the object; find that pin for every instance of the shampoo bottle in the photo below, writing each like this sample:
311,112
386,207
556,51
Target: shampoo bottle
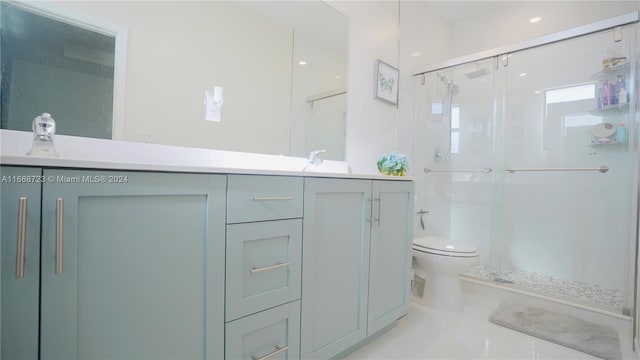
621,134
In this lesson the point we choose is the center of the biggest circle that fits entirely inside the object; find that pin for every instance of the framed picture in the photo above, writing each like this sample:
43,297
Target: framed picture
386,82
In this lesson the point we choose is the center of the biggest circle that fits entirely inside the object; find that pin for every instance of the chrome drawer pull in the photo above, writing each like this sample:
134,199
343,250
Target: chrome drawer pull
270,267
22,230
277,351
59,225
273,198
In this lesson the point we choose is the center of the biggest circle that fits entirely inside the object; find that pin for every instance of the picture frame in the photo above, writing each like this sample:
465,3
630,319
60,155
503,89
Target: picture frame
386,82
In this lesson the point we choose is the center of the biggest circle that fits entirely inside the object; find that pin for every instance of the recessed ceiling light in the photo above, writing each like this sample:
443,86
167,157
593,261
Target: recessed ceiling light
534,20
302,62
415,54
522,74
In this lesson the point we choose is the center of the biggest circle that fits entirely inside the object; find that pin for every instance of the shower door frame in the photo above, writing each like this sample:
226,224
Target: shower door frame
607,24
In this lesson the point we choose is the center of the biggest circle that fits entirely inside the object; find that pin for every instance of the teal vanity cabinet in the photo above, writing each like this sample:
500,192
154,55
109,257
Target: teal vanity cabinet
356,261
20,261
132,265
264,263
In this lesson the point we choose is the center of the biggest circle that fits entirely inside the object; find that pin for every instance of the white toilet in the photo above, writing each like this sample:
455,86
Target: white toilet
440,262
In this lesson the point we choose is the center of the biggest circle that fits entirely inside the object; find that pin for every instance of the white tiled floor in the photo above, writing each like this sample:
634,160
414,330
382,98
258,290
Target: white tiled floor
427,333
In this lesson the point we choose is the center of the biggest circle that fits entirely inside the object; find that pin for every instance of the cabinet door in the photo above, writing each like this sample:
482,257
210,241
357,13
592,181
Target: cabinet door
132,269
335,265
20,219
271,334
390,261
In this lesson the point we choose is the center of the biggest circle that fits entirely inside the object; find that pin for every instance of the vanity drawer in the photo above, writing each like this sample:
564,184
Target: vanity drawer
258,198
263,266
272,334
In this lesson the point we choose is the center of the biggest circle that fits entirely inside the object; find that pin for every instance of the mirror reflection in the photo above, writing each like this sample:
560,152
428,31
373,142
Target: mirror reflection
281,66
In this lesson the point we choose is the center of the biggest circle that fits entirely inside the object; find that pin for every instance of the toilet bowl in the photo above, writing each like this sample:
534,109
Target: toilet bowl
440,262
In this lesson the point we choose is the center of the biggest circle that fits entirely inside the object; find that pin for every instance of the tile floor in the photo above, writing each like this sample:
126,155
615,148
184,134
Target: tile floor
427,333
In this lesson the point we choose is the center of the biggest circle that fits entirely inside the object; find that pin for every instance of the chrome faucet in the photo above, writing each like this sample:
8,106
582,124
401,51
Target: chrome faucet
314,157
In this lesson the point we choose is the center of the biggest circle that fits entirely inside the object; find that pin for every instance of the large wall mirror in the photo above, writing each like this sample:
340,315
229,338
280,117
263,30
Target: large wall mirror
139,70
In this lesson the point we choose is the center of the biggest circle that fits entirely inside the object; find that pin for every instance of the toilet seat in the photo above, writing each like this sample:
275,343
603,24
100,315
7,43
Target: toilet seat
440,246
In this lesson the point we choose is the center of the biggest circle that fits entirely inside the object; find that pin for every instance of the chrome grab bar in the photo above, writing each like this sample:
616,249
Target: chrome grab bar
277,351
59,226
273,198
602,169
270,267
485,170
22,230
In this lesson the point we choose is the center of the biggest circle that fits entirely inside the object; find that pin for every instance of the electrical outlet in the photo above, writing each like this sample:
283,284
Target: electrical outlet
146,137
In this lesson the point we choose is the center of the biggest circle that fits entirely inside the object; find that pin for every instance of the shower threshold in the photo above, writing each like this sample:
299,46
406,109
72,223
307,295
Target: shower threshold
585,294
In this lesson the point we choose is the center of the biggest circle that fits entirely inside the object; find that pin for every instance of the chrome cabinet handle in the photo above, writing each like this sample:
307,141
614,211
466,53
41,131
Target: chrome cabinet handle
270,267
273,198
379,206
59,225
277,351
370,220
22,230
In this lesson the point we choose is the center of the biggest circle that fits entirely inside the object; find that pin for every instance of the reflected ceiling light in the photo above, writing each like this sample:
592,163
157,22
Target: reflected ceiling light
534,20
537,92
415,54
338,77
302,62
522,74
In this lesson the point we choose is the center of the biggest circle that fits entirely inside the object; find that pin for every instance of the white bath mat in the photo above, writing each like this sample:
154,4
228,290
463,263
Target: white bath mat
590,338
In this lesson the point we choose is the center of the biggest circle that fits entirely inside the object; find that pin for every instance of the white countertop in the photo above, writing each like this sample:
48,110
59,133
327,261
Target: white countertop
88,153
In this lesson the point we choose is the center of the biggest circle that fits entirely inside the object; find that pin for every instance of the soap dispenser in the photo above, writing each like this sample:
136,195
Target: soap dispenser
44,129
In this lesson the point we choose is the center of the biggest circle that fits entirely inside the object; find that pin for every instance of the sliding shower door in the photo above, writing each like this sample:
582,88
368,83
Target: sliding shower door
564,221
455,125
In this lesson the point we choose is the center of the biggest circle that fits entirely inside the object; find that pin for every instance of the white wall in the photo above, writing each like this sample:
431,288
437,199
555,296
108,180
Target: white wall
371,124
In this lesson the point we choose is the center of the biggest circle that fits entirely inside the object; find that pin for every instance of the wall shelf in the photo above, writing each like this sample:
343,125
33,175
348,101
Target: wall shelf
611,110
612,72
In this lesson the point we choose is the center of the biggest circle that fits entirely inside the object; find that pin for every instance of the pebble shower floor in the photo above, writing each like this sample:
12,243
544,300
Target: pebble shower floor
587,294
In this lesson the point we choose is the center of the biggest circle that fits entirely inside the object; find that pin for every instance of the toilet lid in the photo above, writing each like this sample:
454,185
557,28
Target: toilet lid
441,245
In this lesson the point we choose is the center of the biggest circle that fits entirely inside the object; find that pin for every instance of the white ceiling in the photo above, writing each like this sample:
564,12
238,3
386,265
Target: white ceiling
453,10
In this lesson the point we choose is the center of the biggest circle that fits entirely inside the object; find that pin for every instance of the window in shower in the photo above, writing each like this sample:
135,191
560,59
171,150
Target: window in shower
571,93
455,129
567,117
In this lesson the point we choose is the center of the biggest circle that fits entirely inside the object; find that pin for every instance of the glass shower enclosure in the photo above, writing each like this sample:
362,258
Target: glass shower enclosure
531,154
